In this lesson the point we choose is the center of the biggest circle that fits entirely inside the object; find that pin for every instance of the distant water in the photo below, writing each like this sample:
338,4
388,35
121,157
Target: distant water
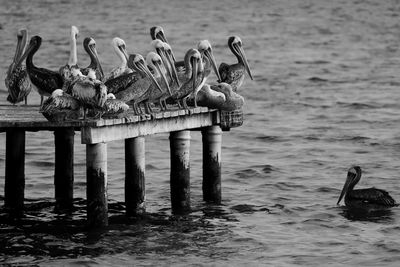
325,96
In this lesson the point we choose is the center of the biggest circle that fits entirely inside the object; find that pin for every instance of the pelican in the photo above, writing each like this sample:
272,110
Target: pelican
89,44
120,49
59,100
43,80
153,94
157,32
234,74
66,71
90,92
17,80
139,87
113,107
210,98
163,50
369,198
205,50
232,101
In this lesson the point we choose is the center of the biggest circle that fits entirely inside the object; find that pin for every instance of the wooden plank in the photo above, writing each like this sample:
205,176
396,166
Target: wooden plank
93,135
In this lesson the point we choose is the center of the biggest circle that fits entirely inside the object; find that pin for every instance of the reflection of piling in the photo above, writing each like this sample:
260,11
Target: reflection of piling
134,175
95,134
96,187
180,171
15,170
212,138
64,167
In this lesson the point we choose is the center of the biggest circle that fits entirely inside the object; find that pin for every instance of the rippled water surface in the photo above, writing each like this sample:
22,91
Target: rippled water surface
325,96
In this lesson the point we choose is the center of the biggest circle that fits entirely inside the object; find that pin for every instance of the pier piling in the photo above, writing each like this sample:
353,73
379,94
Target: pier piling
212,139
96,187
64,168
135,176
180,171
15,170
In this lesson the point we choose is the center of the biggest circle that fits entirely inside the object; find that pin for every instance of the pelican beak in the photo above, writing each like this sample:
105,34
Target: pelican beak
244,59
161,71
173,69
148,73
166,62
97,60
350,177
194,73
210,56
25,54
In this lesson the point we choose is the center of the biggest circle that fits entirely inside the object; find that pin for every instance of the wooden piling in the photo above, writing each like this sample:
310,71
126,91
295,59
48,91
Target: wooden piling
212,139
64,168
135,176
180,171
96,187
15,170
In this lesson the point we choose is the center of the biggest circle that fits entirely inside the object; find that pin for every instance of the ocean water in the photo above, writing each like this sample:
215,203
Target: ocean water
325,96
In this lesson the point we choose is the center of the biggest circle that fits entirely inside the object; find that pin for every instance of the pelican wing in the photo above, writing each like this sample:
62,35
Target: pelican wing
372,196
46,80
121,82
230,73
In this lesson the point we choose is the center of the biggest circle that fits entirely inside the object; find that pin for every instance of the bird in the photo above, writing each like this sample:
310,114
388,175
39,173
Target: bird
161,49
210,98
43,80
89,44
157,32
205,50
140,85
59,100
17,80
153,94
120,49
112,107
66,71
234,74
91,93
233,100
368,198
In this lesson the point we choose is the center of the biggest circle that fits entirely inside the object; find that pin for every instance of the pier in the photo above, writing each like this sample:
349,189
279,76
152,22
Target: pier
16,120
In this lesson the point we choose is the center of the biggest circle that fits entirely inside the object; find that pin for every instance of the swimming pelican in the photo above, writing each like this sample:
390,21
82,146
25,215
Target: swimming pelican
153,94
205,50
89,44
90,92
232,101
120,49
157,32
369,198
66,71
59,100
43,80
17,80
140,86
234,74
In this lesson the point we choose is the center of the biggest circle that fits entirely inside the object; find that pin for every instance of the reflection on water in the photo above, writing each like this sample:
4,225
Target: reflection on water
378,216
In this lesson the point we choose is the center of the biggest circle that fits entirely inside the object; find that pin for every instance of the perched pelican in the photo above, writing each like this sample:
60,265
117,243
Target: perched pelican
140,86
205,50
157,32
232,101
43,80
89,44
234,74
66,71
153,94
188,77
167,60
113,107
90,92
210,98
120,49
17,81
59,100
369,198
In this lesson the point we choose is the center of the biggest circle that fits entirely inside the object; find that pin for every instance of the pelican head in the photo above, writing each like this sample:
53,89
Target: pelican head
353,177
111,96
32,47
235,44
74,32
157,32
22,36
120,47
137,62
205,49
57,93
155,62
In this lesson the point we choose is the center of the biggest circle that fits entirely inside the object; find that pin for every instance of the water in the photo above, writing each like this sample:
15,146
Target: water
324,97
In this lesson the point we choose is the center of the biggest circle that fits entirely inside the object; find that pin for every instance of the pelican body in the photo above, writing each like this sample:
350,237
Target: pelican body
369,198
120,49
234,74
89,44
17,80
43,80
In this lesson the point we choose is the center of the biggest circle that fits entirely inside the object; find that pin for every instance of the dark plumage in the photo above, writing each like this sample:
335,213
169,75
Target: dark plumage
369,198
